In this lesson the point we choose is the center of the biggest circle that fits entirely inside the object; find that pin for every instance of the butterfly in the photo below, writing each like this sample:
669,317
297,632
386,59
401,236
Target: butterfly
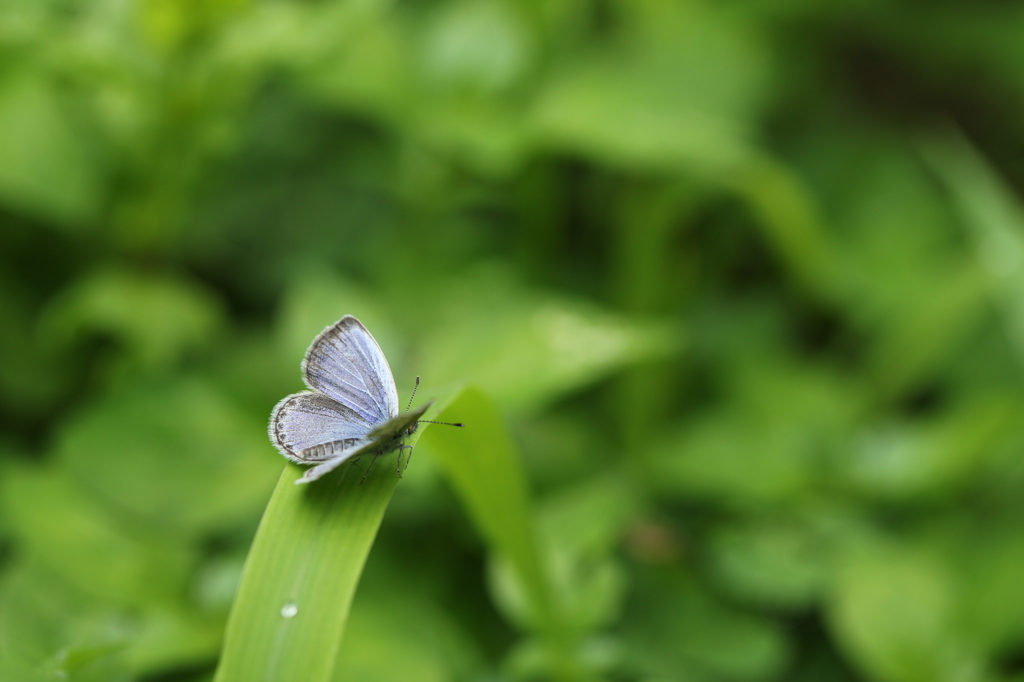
351,408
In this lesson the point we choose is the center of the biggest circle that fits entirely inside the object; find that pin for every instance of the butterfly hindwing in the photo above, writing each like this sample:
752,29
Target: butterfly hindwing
306,420
345,363
331,464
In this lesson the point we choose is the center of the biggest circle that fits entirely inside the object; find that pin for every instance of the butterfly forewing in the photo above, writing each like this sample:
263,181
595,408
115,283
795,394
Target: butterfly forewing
306,420
345,363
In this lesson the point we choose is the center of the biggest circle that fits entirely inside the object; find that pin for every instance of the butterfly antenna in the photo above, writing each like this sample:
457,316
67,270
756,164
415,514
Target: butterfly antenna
417,385
425,421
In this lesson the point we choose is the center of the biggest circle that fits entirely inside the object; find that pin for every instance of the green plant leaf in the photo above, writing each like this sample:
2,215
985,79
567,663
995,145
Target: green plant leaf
48,170
76,538
894,610
157,318
156,449
529,349
290,613
992,216
483,468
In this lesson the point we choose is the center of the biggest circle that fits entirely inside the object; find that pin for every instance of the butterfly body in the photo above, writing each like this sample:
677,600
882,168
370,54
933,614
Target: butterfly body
351,408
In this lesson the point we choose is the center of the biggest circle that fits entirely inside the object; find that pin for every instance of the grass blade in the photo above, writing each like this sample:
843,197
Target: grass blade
301,574
484,469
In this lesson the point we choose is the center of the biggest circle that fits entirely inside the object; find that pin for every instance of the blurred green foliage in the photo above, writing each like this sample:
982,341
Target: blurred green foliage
743,279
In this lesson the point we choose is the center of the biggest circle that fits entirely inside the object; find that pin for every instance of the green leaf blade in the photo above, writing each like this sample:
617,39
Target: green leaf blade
481,463
292,605
482,467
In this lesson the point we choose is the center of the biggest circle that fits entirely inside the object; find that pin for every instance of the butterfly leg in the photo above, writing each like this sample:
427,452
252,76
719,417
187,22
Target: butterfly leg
373,460
398,464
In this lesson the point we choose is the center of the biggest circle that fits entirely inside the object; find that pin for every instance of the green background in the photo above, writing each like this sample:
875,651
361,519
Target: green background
743,279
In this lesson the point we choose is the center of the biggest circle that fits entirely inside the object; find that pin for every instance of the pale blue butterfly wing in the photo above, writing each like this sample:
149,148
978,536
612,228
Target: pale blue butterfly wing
304,421
345,363
332,463
353,398
384,437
